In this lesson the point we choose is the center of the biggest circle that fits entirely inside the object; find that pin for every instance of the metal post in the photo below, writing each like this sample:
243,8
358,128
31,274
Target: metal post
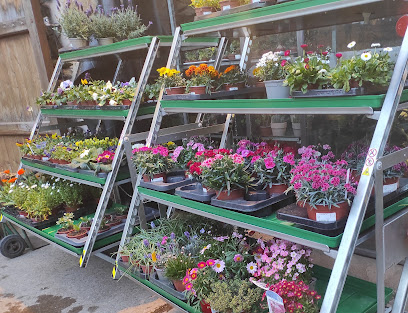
222,46
355,219
144,75
379,236
402,291
225,132
118,68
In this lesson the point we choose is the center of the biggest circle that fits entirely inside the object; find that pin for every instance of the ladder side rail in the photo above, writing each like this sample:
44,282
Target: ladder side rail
110,181
356,216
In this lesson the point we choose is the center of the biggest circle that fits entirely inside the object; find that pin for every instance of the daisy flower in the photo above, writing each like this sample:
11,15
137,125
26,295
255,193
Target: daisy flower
219,266
251,268
189,286
366,56
351,44
388,49
201,265
210,262
237,258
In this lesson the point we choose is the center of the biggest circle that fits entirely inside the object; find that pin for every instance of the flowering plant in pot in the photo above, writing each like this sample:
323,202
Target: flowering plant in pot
325,189
274,170
75,23
206,54
205,7
46,98
279,259
176,268
310,71
316,154
71,194
297,296
151,92
124,93
201,78
271,69
172,80
233,78
143,251
153,163
183,154
227,175
63,154
127,23
103,26
370,69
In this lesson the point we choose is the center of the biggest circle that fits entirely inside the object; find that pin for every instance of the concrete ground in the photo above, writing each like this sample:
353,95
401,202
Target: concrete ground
48,280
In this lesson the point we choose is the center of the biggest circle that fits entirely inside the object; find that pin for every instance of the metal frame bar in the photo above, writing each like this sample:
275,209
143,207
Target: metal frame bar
355,219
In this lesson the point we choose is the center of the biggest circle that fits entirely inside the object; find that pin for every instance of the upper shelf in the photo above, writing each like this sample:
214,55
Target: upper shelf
322,105
132,45
298,15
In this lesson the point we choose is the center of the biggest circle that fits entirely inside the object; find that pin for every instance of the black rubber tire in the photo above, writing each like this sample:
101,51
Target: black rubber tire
12,246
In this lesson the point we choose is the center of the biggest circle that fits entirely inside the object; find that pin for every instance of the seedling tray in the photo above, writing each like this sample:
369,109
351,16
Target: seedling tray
195,192
87,107
216,94
167,287
260,208
133,270
328,93
174,182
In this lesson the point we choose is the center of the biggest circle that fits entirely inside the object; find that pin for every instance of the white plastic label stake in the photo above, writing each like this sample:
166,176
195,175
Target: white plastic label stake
207,12
158,179
325,217
233,88
205,190
275,302
226,7
192,93
390,188
256,1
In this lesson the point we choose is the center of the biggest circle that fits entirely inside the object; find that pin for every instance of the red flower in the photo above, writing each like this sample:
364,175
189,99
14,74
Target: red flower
304,46
338,55
307,60
287,53
307,66
309,52
325,53
283,63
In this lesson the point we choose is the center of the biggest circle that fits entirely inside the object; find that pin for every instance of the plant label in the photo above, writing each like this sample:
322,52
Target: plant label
207,12
156,180
192,93
205,190
325,217
226,7
256,1
390,188
233,88
275,302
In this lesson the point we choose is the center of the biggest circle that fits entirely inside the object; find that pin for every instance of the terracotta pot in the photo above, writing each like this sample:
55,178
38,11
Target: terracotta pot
55,161
204,11
355,175
23,213
125,258
323,213
198,90
89,103
101,230
36,219
77,235
312,86
50,103
146,269
114,222
353,83
176,91
36,157
72,102
231,57
277,188
205,307
63,162
389,185
260,84
229,4
265,131
162,177
63,231
178,284
234,87
126,102
233,195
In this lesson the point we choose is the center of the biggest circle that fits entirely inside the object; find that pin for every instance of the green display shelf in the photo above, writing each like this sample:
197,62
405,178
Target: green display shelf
270,223
89,178
49,233
322,105
358,296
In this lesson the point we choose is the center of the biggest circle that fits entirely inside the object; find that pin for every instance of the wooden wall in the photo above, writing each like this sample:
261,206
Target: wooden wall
25,66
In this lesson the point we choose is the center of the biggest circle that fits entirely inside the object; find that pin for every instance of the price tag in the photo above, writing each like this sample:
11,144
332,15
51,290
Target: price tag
275,302
326,217
233,88
158,179
207,12
226,7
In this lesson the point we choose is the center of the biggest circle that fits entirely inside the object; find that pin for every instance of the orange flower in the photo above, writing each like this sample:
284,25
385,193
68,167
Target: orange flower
3,180
21,171
6,172
12,180
230,68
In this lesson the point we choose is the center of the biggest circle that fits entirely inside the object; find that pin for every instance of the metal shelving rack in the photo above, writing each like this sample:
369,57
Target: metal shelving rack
298,15
128,115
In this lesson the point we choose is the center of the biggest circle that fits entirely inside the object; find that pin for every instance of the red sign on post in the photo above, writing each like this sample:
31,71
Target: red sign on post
402,25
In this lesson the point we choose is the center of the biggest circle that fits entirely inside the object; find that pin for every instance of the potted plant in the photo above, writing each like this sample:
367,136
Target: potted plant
324,189
77,232
86,222
200,78
205,7
153,163
271,69
227,174
274,170
127,23
206,54
121,212
176,268
296,126
75,24
112,220
143,251
297,297
151,92
370,69
185,153
310,71
46,98
104,226
279,124
103,27
264,122
71,194
233,78
234,50
172,80
124,254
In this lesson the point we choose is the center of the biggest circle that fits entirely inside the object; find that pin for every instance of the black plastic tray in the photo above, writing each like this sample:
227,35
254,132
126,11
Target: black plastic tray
242,205
328,93
135,270
179,180
195,192
167,287
241,8
215,95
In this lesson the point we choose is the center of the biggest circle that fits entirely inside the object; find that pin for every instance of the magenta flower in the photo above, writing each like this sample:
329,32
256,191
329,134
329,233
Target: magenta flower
269,163
238,258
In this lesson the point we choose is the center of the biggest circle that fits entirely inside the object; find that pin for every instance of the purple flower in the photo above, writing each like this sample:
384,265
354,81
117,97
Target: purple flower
173,236
152,225
237,258
202,231
187,234
146,242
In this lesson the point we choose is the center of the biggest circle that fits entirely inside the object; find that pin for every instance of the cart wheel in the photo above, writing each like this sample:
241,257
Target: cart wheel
12,246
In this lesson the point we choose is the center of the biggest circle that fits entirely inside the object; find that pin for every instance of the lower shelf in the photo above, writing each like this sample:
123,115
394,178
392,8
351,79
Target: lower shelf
358,296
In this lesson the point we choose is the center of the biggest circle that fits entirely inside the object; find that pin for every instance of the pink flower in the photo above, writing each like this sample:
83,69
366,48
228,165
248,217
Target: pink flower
335,181
269,163
237,258
325,53
287,53
338,55
297,186
304,46
283,62
210,262
289,158
189,286
208,162
309,52
201,265
255,158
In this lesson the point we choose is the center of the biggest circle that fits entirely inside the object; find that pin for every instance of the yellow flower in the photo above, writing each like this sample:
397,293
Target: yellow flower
154,258
54,136
84,82
19,144
162,71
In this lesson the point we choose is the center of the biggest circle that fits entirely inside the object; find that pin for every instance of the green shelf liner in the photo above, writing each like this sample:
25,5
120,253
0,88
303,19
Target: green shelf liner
358,296
90,178
271,222
50,232
143,110
255,13
373,101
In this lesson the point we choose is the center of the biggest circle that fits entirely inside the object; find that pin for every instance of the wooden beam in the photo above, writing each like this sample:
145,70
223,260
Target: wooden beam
13,27
38,38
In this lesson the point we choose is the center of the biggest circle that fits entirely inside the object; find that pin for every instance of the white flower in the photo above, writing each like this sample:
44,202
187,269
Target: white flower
84,154
70,185
58,179
112,102
375,45
251,268
11,190
205,248
366,56
351,44
95,96
322,71
20,184
219,266
33,186
388,49
108,85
